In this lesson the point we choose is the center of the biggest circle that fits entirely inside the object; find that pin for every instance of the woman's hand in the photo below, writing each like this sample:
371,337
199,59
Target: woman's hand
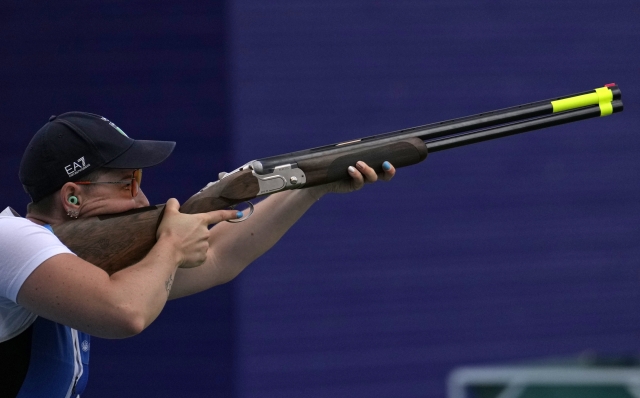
189,233
360,174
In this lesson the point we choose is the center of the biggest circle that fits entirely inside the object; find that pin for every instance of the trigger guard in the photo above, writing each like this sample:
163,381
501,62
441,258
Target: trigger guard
243,218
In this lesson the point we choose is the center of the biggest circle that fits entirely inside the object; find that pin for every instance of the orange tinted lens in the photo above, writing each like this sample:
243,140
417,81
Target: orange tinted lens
135,182
137,175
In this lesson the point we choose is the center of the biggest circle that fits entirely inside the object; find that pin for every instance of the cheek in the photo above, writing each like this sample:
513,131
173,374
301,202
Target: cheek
106,206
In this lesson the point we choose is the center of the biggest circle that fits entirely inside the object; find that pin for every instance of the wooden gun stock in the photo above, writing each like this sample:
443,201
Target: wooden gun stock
114,242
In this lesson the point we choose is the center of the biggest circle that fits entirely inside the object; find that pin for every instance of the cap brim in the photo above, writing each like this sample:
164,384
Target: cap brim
142,154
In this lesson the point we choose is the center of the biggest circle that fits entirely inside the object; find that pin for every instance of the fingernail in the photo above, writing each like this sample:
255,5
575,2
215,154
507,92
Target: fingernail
360,164
351,169
386,166
239,214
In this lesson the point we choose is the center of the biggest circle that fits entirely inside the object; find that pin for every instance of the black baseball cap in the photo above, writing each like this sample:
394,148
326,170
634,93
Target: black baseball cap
74,144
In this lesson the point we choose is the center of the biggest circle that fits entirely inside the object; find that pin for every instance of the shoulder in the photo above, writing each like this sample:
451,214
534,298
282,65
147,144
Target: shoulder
17,229
24,245
23,238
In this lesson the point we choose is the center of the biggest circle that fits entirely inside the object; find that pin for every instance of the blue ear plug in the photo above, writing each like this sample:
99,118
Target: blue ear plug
73,200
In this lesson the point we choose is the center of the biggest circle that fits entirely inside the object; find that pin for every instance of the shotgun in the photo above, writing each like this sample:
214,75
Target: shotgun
100,240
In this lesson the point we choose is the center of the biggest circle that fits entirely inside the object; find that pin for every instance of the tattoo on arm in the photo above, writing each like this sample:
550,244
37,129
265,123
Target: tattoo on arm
168,284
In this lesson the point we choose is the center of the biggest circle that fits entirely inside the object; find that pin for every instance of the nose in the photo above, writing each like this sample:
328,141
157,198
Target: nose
141,199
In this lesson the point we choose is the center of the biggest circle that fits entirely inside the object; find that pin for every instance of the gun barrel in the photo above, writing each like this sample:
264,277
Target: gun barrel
603,95
522,127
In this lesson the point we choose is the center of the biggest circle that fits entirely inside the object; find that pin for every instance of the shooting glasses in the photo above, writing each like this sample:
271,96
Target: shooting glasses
134,182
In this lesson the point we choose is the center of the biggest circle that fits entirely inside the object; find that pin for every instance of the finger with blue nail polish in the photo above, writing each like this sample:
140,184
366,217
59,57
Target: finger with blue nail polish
239,214
388,171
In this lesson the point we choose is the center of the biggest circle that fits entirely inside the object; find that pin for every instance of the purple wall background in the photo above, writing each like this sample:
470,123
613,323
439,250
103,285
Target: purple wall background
522,248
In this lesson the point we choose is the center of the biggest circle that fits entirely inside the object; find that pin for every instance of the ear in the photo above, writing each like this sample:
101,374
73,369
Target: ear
70,189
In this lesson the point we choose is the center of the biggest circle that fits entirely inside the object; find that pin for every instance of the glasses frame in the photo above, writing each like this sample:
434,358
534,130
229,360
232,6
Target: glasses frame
134,181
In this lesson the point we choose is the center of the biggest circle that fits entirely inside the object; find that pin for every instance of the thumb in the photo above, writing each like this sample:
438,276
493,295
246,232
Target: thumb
173,206
170,209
